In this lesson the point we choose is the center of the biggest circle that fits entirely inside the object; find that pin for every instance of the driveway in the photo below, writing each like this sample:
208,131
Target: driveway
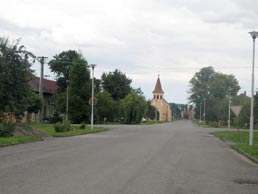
169,158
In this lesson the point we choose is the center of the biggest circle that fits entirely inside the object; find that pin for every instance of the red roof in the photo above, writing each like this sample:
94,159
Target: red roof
158,88
49,86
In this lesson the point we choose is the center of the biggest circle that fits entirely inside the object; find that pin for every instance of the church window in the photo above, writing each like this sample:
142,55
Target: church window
160,97
157,96
154,97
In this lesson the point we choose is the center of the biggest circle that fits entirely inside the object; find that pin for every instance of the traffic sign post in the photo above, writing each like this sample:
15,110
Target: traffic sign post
94,100
236,110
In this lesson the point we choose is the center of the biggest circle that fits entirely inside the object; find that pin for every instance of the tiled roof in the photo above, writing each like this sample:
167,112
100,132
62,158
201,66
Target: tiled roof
158,88
49,86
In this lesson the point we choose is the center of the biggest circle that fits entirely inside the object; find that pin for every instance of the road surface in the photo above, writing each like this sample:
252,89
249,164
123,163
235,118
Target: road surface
170,158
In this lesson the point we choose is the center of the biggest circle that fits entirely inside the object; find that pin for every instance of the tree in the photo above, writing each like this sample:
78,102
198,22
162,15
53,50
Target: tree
105,108
151,111
117,84
211,88
134,108
79,91
71,65
34,103
15,74
61,65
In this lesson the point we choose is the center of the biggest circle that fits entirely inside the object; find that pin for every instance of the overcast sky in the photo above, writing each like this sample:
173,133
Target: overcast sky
142,38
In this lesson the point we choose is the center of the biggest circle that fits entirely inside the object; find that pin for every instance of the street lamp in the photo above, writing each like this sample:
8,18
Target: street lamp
200,112
204,110
229,104
67,99
254,34
92,95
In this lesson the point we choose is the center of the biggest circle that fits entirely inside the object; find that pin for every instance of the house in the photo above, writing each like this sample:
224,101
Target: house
163,109
49,91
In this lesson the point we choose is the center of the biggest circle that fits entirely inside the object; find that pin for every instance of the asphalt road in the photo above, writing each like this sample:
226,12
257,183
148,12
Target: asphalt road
171,158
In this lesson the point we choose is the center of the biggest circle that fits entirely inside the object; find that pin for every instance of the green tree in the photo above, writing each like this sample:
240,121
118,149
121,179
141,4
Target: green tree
61,65
15,74
151,111
71,65
79,91
117,84
211,88
34,103
105,108
134,108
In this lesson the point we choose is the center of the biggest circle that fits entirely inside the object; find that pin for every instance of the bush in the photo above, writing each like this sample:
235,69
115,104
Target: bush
55,118
82,126
7,124
213,124
62,127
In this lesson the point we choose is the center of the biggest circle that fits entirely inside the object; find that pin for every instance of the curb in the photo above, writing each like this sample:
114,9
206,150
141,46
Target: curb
245,154
231,145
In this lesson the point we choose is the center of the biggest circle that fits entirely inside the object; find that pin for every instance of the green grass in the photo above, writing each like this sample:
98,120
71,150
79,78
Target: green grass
18,139
241,141
49,128
251,150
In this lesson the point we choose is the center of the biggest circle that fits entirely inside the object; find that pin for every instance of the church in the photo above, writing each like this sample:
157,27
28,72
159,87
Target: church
164,112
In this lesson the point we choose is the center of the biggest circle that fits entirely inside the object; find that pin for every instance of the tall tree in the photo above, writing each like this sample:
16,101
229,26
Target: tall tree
105,108
79,91
151,111
71,65
209,89
15,73
61,65
117,84
134,108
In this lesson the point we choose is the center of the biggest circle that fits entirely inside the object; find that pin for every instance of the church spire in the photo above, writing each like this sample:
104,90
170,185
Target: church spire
158,88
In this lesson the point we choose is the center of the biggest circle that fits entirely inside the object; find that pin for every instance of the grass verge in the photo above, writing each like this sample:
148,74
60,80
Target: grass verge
17,139
240,142
49,128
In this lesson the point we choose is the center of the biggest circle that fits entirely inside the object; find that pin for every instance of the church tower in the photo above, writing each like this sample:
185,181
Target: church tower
163,110
158,92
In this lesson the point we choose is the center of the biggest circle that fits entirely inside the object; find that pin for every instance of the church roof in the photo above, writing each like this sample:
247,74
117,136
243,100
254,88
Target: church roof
158,88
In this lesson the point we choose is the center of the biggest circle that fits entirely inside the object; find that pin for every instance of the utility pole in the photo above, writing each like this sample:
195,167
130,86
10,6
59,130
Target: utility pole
92,96
42,61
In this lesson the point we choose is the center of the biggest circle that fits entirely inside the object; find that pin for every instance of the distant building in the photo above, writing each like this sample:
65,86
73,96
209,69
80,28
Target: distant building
49,91
163,110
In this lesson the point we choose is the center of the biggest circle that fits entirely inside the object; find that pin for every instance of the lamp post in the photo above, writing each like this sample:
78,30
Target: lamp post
67,99
204,111
200,112
254,34
92,95
229,104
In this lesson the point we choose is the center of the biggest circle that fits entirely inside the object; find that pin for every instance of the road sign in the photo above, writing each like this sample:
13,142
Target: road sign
94,101
236,110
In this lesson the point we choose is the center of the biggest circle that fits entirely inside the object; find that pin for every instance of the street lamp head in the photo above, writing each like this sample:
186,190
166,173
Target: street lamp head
93,66
254,34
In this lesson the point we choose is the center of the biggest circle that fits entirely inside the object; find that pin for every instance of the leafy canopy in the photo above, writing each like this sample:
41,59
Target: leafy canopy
15,73
117,84
211,88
